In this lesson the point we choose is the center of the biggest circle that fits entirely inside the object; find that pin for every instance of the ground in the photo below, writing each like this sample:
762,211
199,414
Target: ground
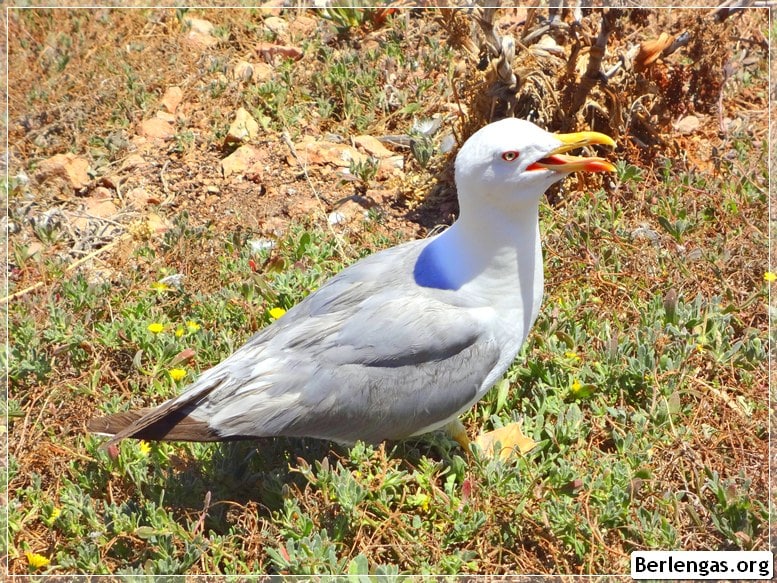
139,255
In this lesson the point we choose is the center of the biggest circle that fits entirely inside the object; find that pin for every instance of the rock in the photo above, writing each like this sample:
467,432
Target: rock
157,129
165,116
380,196
277,26
68,167
246,160
256,72
99,205
172,99
268,51
243,71
372,146
348,211
258,245
688,124
389,166
316,152
273,226
156,224
34,249
199,35
199,25
336,218
243,129
303,206
138,197
133,161
302,27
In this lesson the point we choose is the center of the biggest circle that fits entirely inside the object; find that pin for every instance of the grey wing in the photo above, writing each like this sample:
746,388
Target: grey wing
368,356
390,368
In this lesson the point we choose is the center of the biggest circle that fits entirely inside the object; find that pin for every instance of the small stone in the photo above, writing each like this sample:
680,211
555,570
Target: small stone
380,196
243,129
99,205
73,169
390,166
133,161
156,129
688,124
34,249
172,99
199,25
256,72
262,72
316,152
137,197
243,71
243,161
302,27
100,208
372,146
336,218
156,224
165,116
258,245
199,34
276,25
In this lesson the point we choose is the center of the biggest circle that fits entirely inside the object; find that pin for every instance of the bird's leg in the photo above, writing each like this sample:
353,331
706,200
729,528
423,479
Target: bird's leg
459,433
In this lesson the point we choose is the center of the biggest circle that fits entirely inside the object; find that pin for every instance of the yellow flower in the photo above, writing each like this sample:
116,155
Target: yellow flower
144,448
192,326
276,313
700,347
576,386
177,373
155,327
36,561
160,287
178,332
572,355
55,512
770,276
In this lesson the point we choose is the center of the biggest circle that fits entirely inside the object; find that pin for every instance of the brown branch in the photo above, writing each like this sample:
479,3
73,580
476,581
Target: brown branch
593,73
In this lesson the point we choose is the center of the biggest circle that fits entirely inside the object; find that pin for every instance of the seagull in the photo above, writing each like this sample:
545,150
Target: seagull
401,342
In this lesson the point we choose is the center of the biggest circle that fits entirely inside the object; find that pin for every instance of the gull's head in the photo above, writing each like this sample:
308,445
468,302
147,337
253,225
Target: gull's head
511,162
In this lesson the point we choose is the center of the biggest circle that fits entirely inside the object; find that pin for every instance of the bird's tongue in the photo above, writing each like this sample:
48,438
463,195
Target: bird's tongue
564,163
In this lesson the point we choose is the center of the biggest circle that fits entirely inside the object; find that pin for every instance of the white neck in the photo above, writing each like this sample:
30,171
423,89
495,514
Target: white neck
495,255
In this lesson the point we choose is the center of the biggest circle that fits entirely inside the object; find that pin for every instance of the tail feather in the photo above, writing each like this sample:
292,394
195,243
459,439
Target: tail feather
171,421
174,426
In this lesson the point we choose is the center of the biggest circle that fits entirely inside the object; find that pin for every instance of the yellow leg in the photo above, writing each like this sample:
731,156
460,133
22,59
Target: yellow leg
459,433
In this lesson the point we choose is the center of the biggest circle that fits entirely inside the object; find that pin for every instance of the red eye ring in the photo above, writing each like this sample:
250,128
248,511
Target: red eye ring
510,155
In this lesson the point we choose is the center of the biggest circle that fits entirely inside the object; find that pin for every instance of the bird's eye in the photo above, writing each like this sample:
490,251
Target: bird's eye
510,156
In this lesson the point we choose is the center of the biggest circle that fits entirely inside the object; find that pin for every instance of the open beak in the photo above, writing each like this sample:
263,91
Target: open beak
557,160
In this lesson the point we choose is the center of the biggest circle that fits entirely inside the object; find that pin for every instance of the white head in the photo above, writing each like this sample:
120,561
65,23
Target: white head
510,163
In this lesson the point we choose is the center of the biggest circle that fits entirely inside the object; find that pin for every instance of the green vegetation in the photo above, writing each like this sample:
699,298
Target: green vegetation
643,382
622,385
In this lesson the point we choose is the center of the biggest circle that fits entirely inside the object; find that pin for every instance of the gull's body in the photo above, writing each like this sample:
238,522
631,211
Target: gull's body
405,340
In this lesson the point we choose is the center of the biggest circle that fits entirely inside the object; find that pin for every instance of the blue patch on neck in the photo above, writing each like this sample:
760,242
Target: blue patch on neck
427,271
